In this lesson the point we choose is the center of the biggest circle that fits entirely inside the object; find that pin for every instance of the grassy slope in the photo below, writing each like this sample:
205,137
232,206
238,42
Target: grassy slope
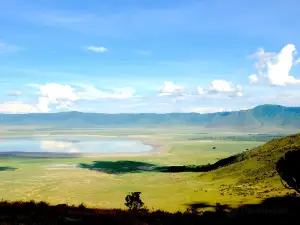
255,175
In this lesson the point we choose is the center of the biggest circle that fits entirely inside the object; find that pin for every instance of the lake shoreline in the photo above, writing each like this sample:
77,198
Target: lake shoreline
156,147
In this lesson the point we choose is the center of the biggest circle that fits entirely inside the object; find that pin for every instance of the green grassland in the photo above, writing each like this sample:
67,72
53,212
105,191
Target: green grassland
57,180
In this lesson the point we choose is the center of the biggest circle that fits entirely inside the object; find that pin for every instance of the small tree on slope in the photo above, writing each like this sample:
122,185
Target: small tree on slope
133,201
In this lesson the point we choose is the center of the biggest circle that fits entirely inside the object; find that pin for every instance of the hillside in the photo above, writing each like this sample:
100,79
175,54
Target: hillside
264,118
256,165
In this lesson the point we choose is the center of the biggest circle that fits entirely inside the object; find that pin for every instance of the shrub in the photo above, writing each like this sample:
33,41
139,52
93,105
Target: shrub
81,206
191,211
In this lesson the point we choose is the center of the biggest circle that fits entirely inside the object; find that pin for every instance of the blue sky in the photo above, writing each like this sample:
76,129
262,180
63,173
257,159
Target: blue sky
148,56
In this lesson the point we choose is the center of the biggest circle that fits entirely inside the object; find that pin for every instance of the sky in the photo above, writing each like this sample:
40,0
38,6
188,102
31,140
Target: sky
140,56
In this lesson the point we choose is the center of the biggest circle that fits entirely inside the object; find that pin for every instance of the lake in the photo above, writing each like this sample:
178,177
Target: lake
70,145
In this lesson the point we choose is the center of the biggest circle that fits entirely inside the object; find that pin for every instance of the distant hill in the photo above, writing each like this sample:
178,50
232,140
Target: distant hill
264,118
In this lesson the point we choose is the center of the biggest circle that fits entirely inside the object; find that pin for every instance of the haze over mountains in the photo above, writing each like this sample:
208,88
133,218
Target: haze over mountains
263,118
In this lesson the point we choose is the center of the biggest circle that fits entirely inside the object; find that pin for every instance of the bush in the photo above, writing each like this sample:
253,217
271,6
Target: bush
81,206
191,211
134,202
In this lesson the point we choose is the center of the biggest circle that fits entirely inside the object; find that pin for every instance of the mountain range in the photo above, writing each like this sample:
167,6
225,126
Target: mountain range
263,117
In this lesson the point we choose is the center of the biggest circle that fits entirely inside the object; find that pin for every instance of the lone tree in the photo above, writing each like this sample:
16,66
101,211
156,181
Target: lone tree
133,201
288,168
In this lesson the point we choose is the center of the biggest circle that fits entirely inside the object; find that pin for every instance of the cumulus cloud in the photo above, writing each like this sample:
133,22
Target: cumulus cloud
63,96
43,104
91,93
99,49
201,91
222,87
53,93
276,67
262,58
253,79
17,107
297,61
169,88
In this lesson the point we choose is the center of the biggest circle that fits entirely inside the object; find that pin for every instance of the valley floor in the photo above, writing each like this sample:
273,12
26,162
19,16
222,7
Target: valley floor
81,180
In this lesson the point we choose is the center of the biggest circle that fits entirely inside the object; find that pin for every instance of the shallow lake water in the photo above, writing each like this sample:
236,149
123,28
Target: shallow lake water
72,145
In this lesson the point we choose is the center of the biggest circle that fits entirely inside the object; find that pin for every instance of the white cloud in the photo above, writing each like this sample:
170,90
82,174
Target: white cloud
239,94
17,107
253,79
297,61
43,104
262,59
276,67
63,96
53,93
65,105
222,87
278,72
122,93
201,91
169,88
100,49
14,93
92,93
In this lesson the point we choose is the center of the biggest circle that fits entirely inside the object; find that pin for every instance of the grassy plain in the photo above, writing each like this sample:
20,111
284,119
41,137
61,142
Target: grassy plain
58,180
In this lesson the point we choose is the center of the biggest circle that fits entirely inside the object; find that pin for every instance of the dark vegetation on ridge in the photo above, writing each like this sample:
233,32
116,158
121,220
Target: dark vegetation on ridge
265,117
7,168
280,210
126,166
